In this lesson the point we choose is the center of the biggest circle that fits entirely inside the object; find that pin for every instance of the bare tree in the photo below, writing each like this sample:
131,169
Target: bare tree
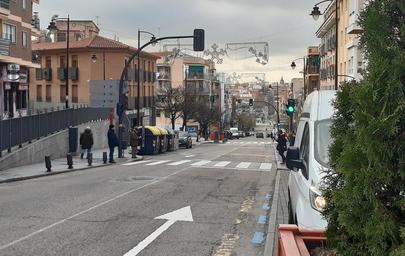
246,121
171,101
204,114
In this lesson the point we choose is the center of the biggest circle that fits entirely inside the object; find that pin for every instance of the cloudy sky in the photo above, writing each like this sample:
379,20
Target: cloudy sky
284,25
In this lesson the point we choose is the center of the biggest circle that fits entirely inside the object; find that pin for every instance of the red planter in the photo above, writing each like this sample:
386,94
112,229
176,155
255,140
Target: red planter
293,241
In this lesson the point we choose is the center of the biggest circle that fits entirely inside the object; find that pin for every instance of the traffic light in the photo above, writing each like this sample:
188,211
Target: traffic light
199,40
250,102
290,107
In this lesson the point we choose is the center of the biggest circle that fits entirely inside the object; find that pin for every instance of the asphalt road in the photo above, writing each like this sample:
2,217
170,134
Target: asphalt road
111,210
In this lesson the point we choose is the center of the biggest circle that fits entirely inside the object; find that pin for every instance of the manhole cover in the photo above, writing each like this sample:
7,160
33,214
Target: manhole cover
136,178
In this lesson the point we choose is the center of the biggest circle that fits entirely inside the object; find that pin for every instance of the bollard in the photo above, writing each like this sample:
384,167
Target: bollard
90,158
48,163
69,160
104,157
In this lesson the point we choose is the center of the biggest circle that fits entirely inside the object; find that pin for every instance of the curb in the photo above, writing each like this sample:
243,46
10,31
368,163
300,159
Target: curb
271,230
139,158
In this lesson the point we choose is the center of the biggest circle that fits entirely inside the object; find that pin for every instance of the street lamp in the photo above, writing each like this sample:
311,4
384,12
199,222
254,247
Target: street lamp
138,89
293,65
315,14
52,28
94,60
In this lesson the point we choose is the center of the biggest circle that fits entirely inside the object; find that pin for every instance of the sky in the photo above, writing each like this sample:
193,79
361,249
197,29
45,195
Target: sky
286,26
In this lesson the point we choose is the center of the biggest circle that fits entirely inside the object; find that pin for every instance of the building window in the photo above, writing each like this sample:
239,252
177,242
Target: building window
39,92
61,36
24,4
75,97
62,62
62,93
24,39
75,61
9,32
48,93
48,61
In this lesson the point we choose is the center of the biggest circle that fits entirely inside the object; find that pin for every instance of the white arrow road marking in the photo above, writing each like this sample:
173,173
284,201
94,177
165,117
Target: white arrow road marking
222,164
159,162
201,163
243,165
183,214
180,162
265,166
139,162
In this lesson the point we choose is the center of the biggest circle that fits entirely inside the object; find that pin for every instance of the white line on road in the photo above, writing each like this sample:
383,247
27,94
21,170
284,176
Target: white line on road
201,163
139,162
222,164
190,156
180,162
265,166
159,162
243,165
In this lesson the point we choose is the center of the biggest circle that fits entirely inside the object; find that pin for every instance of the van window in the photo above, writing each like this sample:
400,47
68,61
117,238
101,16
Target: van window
323,140
304,149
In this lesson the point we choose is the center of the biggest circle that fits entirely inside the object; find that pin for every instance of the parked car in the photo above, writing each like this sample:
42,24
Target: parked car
307,159
259,135
235,133
185,140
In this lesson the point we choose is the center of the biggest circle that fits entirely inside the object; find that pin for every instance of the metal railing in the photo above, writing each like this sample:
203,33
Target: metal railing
5,4
16,131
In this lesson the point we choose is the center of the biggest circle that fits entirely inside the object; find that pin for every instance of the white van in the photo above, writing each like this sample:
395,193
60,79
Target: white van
308,159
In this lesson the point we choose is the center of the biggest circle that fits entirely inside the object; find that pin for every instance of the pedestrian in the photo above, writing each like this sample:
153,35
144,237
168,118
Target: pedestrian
112,142
281,146
86,142
292,139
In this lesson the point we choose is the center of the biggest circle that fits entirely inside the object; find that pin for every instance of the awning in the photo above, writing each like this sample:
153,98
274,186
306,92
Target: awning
162,131
154,130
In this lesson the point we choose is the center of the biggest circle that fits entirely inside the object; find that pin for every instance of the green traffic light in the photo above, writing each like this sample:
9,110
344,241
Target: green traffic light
290,109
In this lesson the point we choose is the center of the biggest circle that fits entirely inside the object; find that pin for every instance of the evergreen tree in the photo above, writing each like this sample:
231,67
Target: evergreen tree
365,187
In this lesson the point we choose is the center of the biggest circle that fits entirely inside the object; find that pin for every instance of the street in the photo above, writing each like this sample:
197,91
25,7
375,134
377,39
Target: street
111,210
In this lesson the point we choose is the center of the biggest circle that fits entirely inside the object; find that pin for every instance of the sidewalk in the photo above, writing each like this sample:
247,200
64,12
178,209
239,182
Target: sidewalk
60,166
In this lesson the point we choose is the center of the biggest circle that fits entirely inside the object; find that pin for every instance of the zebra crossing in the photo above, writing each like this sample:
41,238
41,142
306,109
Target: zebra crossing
249,143
257,166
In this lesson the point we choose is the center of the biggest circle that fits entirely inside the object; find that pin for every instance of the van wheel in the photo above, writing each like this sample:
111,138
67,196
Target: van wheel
290,213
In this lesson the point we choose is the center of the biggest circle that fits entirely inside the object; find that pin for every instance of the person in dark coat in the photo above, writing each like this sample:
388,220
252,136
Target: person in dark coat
86,142
282,145
112,142
292,139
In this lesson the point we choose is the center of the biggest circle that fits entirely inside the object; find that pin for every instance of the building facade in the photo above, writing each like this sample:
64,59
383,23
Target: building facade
312,69
92,58
18,24
195,74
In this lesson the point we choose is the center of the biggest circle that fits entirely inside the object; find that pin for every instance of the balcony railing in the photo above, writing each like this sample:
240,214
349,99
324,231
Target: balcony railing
39,98
5,4
5,42
75,99
197,76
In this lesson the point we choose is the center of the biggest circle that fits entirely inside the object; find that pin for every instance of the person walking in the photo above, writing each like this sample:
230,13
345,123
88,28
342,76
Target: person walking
282,146
86,142
292,139
112,142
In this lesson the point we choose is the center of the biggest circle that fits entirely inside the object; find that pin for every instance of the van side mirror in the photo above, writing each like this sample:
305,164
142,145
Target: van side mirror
293,159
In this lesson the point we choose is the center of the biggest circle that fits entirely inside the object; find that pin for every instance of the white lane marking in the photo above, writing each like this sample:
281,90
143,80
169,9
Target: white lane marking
159,162
222,164
265,166
201,163
190,156
89,209
243,165
183,214
180,162
139,162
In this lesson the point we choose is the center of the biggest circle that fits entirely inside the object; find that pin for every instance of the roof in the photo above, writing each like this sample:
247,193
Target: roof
154,130
95,42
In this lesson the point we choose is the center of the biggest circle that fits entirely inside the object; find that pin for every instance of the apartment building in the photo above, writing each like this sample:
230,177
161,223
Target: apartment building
194,73
18,24
91,58
312,69
350,57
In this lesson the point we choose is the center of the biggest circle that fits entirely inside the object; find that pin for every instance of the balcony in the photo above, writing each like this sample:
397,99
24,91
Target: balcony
5,7
75,99
164,76
313,70
5,42
74,73
48,99
197,76
39,98
62,74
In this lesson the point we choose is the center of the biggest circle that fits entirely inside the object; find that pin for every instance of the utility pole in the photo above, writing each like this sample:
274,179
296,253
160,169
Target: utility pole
278,112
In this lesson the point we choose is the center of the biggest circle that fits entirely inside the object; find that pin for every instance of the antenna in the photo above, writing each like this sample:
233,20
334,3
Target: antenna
97,17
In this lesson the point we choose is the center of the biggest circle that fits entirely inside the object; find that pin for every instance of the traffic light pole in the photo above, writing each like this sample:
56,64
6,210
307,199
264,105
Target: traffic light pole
121,105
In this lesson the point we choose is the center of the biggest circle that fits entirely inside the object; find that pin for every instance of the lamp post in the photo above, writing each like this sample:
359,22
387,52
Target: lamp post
138,89
293,65
315,14
52,27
